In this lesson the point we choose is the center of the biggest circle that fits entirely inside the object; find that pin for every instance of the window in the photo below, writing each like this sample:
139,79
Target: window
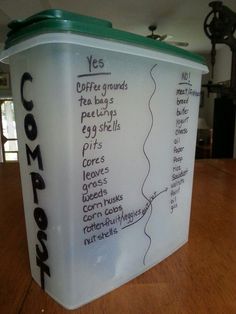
8,139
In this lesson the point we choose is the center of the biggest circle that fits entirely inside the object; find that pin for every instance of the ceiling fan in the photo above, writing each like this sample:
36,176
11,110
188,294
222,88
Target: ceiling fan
165,37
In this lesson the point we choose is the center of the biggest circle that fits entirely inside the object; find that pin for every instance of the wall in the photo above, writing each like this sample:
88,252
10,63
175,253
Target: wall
222,70
206,110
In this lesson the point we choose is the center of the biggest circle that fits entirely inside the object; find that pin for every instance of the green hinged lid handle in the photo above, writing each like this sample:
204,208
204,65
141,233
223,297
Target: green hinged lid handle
55,20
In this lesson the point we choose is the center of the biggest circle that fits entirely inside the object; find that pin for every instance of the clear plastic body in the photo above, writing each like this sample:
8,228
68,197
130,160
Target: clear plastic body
107,145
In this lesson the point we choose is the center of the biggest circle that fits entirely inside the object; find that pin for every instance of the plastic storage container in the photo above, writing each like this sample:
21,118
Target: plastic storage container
107,123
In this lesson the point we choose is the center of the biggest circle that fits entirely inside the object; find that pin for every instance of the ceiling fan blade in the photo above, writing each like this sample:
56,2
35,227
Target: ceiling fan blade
163,37
177,43
153,36
158,37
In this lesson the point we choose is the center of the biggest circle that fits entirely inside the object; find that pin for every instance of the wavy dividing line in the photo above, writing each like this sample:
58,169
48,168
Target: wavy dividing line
149,164
150,202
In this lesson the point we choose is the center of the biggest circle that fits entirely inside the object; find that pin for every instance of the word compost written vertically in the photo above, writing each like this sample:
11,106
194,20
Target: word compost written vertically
99,119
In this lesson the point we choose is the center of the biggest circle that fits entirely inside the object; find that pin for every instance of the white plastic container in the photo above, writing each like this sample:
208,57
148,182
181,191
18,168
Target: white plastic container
107,126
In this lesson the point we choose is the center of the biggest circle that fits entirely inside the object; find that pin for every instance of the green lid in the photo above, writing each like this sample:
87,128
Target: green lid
62,21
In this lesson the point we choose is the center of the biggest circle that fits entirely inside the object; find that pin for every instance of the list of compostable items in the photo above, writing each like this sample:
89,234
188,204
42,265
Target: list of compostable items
99,117
100,96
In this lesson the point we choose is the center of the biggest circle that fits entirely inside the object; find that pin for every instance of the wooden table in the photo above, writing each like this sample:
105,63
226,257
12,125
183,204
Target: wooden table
198,278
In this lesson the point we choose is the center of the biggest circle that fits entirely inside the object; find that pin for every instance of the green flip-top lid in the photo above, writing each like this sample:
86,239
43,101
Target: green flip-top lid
55,20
